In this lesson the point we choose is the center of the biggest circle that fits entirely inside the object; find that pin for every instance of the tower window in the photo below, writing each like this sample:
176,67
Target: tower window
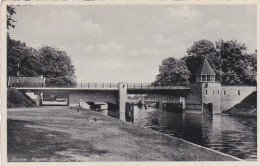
238,92
213,92
203,78
208,77
206,92
224,92
218,91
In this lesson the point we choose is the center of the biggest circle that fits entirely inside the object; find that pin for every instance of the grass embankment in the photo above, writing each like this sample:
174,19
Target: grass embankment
17,99
63,134
247,107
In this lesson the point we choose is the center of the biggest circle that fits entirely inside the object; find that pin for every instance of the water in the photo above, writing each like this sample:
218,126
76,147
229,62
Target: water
231,135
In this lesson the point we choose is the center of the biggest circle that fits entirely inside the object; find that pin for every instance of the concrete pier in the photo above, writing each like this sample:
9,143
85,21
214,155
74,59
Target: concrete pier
39,99
122,99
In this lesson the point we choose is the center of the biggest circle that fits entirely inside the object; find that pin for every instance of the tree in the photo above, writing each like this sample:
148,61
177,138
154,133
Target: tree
172,71
21,60
229,60
56,65
230,52
50,62
239,68
197,52
10,12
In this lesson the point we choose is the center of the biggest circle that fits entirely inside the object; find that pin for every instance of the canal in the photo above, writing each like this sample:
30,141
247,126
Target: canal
236,136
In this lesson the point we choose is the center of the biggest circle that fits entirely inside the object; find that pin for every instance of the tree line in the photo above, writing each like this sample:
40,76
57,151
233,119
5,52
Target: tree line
55,65
229,59
25,61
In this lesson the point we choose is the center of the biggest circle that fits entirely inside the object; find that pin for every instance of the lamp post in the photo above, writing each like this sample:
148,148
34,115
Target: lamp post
17,74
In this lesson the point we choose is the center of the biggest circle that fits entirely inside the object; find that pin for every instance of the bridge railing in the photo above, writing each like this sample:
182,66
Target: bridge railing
152,86
79,85
27,85
97,85
144,86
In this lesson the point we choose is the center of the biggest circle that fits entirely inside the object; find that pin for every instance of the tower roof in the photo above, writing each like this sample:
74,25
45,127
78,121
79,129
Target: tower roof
205,68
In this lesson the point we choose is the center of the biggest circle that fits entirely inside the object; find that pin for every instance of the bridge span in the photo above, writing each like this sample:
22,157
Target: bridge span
99,86
114,94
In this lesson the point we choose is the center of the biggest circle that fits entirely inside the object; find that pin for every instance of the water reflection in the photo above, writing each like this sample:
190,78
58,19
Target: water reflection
232,135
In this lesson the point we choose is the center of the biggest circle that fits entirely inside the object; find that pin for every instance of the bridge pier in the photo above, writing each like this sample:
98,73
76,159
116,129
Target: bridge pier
122,99
39,99
182,100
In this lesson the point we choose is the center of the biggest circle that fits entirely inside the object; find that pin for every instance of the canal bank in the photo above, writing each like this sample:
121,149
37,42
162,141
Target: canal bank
63,134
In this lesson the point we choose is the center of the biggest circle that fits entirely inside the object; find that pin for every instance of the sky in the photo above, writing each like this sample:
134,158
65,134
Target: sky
127,43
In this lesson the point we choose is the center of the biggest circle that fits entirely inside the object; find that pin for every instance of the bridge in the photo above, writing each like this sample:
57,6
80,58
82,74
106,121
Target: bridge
115,94
106,86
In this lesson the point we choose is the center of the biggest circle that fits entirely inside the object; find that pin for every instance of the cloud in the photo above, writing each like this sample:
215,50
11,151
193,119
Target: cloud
184,13
161,39
104,47
60,14
57,27
127,43
68,21
90,28
214,24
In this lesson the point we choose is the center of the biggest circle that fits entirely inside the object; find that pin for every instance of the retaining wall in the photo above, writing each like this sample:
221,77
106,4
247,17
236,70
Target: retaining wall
232,95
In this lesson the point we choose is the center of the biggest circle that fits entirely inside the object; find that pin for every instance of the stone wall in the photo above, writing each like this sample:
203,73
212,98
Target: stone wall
211,94
193,101
232,95
221,97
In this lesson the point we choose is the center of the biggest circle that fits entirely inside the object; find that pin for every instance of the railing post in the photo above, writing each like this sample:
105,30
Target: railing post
110,85
88,85
81,85
134,85
103,85
148,86
95,85
141,86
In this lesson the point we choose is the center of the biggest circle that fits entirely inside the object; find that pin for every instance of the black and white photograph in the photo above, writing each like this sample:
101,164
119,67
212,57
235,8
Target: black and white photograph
126,82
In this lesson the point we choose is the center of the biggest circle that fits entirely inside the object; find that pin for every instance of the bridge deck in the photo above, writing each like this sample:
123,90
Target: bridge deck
99,86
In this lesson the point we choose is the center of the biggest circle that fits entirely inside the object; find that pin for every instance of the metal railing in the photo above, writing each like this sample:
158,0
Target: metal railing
152,86
97,85
79,85
27,85
140,86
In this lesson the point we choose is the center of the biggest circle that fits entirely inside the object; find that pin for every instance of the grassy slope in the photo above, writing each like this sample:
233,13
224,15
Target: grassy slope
247,107
62,133
16,99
